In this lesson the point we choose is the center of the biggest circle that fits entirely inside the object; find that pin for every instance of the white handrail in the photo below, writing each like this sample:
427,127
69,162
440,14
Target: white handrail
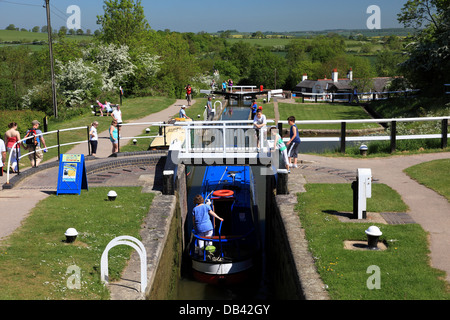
366,120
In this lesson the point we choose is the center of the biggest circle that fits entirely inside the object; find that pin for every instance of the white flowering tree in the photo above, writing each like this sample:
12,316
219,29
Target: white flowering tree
149,64
113,62
103,68
75,81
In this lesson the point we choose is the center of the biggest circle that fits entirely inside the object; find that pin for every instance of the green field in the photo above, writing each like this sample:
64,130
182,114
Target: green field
27,37
325,111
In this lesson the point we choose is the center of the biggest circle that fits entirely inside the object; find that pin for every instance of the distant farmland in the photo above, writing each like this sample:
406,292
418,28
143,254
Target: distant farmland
8,36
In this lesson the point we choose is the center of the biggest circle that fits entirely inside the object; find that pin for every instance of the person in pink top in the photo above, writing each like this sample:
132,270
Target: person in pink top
11,137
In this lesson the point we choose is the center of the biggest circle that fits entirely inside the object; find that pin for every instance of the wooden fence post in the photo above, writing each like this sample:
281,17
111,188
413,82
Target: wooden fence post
444,133
343,127
393,136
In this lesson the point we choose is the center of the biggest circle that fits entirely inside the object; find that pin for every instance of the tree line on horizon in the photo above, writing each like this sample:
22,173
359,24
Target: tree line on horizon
127,53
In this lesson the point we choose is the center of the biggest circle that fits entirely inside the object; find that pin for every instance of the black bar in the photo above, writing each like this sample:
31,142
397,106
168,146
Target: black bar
45,120
164,134
343,127
393,136
18,158
34,154
118,137
59,147
444,133
89,145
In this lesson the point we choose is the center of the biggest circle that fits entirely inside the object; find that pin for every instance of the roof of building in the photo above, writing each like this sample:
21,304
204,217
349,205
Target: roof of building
378,85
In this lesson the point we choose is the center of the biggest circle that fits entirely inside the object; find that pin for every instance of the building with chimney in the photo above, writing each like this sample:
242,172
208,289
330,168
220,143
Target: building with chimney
337,85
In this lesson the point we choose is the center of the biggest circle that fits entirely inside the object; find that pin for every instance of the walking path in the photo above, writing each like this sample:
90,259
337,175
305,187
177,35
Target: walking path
427,208
15,203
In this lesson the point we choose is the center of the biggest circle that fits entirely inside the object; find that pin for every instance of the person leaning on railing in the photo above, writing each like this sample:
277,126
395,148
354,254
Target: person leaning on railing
37,156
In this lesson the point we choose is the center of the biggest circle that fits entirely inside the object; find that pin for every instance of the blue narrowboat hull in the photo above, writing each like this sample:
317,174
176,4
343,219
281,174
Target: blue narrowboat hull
235,242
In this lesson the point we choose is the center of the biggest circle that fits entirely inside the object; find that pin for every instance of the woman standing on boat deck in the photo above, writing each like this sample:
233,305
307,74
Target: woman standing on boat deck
202,222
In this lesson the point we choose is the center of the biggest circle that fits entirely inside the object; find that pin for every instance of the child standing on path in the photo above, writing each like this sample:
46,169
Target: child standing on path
294,143
279,144
93,137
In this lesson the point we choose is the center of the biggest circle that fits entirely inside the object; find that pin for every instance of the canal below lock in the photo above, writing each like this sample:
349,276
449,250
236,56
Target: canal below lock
258,285
261,285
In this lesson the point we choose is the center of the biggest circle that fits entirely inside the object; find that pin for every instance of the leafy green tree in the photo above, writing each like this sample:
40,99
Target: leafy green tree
123,22
419,13
323,48
15,69
387,63
268,69
429,53
178,65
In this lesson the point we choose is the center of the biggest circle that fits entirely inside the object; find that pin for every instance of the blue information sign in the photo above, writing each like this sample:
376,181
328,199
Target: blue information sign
72,175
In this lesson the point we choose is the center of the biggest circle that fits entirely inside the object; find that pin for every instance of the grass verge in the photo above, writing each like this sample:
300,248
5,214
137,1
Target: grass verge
434,175
34,261
404,269
325,111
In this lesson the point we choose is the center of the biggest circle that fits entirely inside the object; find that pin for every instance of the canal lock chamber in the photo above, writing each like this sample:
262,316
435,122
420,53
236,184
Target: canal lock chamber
275,275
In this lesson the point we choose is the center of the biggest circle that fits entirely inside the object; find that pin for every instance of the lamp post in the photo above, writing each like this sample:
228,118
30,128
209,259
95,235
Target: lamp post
49,31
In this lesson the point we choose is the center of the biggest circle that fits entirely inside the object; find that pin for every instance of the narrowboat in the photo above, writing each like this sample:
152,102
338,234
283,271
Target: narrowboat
234,247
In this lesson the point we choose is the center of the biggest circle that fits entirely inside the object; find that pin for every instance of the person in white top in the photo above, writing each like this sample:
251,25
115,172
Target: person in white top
259,123
93,137
117,115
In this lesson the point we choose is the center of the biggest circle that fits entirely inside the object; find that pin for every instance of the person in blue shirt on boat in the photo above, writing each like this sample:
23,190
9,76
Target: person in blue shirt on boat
202,221
294,142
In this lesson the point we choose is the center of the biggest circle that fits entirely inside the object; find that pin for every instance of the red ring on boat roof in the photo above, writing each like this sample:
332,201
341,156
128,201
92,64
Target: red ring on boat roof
223,193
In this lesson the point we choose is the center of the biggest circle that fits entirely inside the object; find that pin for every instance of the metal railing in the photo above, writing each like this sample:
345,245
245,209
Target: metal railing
233,136
393,137
58,145
238,136
161,133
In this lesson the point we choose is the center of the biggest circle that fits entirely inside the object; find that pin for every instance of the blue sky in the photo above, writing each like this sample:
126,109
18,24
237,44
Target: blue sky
213,15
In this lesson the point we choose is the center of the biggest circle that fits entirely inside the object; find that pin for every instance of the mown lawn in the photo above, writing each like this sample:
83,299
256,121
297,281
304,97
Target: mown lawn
404,268
434,175
325,111
35,260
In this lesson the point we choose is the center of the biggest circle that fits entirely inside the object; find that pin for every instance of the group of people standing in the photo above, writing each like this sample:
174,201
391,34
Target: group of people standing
227,84
114,132
289,150
34,142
